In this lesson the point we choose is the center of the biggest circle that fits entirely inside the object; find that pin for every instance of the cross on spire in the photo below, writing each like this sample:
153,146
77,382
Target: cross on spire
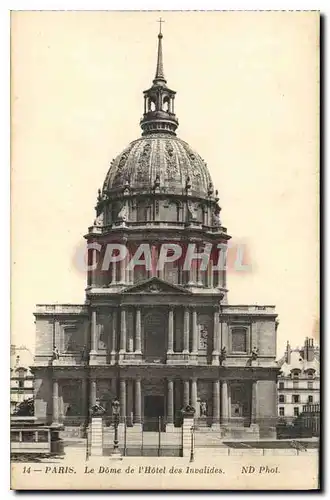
160,21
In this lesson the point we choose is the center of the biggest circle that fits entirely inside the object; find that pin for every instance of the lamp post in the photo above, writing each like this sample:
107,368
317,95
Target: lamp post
192,445
115,414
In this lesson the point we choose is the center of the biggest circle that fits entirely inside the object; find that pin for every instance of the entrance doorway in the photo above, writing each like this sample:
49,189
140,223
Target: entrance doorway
154,411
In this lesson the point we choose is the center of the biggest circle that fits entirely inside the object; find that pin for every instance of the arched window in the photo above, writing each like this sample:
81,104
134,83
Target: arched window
166,104
151,105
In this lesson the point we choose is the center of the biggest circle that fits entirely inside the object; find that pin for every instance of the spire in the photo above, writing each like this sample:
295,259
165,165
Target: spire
158,115
160,77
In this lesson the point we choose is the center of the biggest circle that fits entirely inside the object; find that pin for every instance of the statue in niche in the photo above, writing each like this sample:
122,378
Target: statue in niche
102,337
192,211
203,409
216,218
123,213
203,336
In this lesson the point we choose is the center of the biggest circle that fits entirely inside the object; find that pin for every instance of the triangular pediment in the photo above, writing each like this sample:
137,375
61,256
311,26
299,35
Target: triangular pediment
155,286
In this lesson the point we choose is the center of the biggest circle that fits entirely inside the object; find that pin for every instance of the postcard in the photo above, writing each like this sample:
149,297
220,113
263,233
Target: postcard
165,194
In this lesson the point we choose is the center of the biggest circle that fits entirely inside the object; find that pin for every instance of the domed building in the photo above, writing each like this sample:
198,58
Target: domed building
156,330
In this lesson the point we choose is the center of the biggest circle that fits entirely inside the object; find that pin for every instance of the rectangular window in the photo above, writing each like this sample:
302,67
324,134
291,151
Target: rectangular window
296,411
281,385
295,398
310,399
42,436
309,385
21,384
295,384
28,436
281,398
14,436
238,340
281,411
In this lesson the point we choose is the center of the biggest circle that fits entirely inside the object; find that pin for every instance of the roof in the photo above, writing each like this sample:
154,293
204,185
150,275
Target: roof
297,362
20,357
162,158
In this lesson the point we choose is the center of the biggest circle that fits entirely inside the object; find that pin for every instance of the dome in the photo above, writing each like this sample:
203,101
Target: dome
163,159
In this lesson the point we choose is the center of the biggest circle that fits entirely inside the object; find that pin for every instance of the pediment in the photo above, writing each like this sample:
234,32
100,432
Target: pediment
155,286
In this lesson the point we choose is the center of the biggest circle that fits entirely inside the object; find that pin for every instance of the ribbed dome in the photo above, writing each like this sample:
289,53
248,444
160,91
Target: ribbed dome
161,158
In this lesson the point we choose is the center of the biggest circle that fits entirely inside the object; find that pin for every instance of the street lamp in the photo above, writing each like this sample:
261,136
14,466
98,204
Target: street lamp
192,445
115,414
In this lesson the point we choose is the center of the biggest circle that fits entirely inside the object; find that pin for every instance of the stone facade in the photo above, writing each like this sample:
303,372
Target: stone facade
157,337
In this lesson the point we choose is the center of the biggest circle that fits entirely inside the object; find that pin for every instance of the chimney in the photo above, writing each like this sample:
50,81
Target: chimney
310,350
306,349
288,353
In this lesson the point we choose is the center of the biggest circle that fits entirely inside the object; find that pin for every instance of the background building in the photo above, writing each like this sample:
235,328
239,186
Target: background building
21,377
157,338
299,379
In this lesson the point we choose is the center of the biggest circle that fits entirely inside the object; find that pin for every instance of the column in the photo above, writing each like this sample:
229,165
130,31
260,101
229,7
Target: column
138,331
185,393
170,402
199,280
229,402
194,331
137,405
130,346
161,272
84,407
216,403
186,331
210,282
113,388
114,332
224,402
127,259
93,332
55,403
254,402
122,270
123,330
92,394
122,398
216,340
113,273
192,273
170,331
194,393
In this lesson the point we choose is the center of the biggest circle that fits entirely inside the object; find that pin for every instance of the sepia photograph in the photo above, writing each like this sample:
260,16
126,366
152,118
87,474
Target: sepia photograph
165,329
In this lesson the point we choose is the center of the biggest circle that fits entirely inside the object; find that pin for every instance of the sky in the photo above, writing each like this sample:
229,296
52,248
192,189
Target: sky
247,102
